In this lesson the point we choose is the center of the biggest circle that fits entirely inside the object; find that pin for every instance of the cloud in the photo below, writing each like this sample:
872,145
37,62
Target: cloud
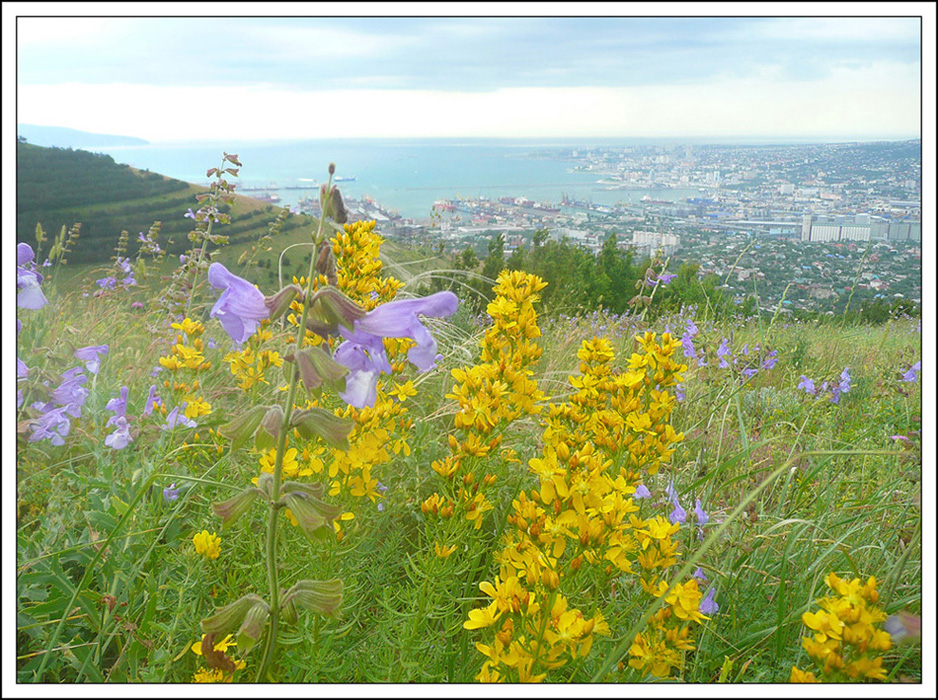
881,100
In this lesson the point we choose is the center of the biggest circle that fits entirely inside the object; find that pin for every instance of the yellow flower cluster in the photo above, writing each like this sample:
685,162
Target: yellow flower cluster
207,545
186,357
491,395
249,364
846,634
660,648
381,430
581,524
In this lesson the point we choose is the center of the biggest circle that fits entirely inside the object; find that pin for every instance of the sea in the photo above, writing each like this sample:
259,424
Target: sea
403,176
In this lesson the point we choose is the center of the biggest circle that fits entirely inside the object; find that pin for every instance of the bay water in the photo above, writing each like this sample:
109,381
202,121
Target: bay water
405,176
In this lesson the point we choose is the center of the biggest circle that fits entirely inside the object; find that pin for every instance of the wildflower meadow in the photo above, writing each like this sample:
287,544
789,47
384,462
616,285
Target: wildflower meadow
355,477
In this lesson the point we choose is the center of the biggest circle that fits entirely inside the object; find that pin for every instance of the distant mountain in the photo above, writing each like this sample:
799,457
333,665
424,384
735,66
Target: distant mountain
72,138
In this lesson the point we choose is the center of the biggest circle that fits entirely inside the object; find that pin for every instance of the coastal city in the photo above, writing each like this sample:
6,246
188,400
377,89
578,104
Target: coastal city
799,226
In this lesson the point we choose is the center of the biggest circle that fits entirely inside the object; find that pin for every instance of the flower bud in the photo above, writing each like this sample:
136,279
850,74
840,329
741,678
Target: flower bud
313,515
329,308
316,367
333,430
277,304
253,625
269,429
230,617
229,511
323,597
243,426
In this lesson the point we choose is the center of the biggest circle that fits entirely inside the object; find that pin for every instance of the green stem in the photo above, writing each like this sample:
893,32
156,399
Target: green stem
270,643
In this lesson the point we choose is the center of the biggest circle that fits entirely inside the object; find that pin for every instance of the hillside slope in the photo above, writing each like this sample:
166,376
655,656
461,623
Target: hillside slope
59,187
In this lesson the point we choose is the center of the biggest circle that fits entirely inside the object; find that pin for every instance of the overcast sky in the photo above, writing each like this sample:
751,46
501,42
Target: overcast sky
199,78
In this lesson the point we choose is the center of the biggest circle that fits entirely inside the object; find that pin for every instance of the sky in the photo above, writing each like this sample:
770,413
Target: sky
183,78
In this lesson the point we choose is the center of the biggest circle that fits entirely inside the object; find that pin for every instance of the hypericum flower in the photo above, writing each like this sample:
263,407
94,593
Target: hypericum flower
911,374
240,308
708,606
170,493
807,385
29,295
363,350
207,545
120,438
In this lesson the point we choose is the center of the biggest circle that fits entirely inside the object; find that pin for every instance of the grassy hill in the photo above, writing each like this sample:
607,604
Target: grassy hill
59,187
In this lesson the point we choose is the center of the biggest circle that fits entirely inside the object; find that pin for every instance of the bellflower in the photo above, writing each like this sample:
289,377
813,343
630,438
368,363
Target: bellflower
151,397
240,308
678,515
722,351
845,380
89,355
641,491
771,359
700,575
708,606
170,493
807,385
911,375
664,279
28,295
702,517
52,425
120,438
70,394
177,417
363,350
679,392
22,372
119,406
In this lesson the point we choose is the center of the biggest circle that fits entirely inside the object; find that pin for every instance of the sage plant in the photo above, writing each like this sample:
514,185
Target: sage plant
351,372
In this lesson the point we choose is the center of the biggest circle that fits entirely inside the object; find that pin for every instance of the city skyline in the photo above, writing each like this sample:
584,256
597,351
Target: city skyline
173,78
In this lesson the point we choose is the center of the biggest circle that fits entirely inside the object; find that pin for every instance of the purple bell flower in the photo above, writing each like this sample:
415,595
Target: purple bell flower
708,606
911,374
120,438
363,350
240,308
119,406
29,295
89,355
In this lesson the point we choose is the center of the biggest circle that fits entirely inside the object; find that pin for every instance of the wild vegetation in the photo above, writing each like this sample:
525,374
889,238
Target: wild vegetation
337,480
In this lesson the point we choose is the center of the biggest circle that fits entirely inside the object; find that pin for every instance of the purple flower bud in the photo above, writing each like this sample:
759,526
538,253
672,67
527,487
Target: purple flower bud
702,517
151,398
678,515
700,575
240,308
708,606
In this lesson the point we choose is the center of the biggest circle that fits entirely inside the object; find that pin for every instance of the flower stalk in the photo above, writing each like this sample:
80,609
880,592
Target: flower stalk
270,643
